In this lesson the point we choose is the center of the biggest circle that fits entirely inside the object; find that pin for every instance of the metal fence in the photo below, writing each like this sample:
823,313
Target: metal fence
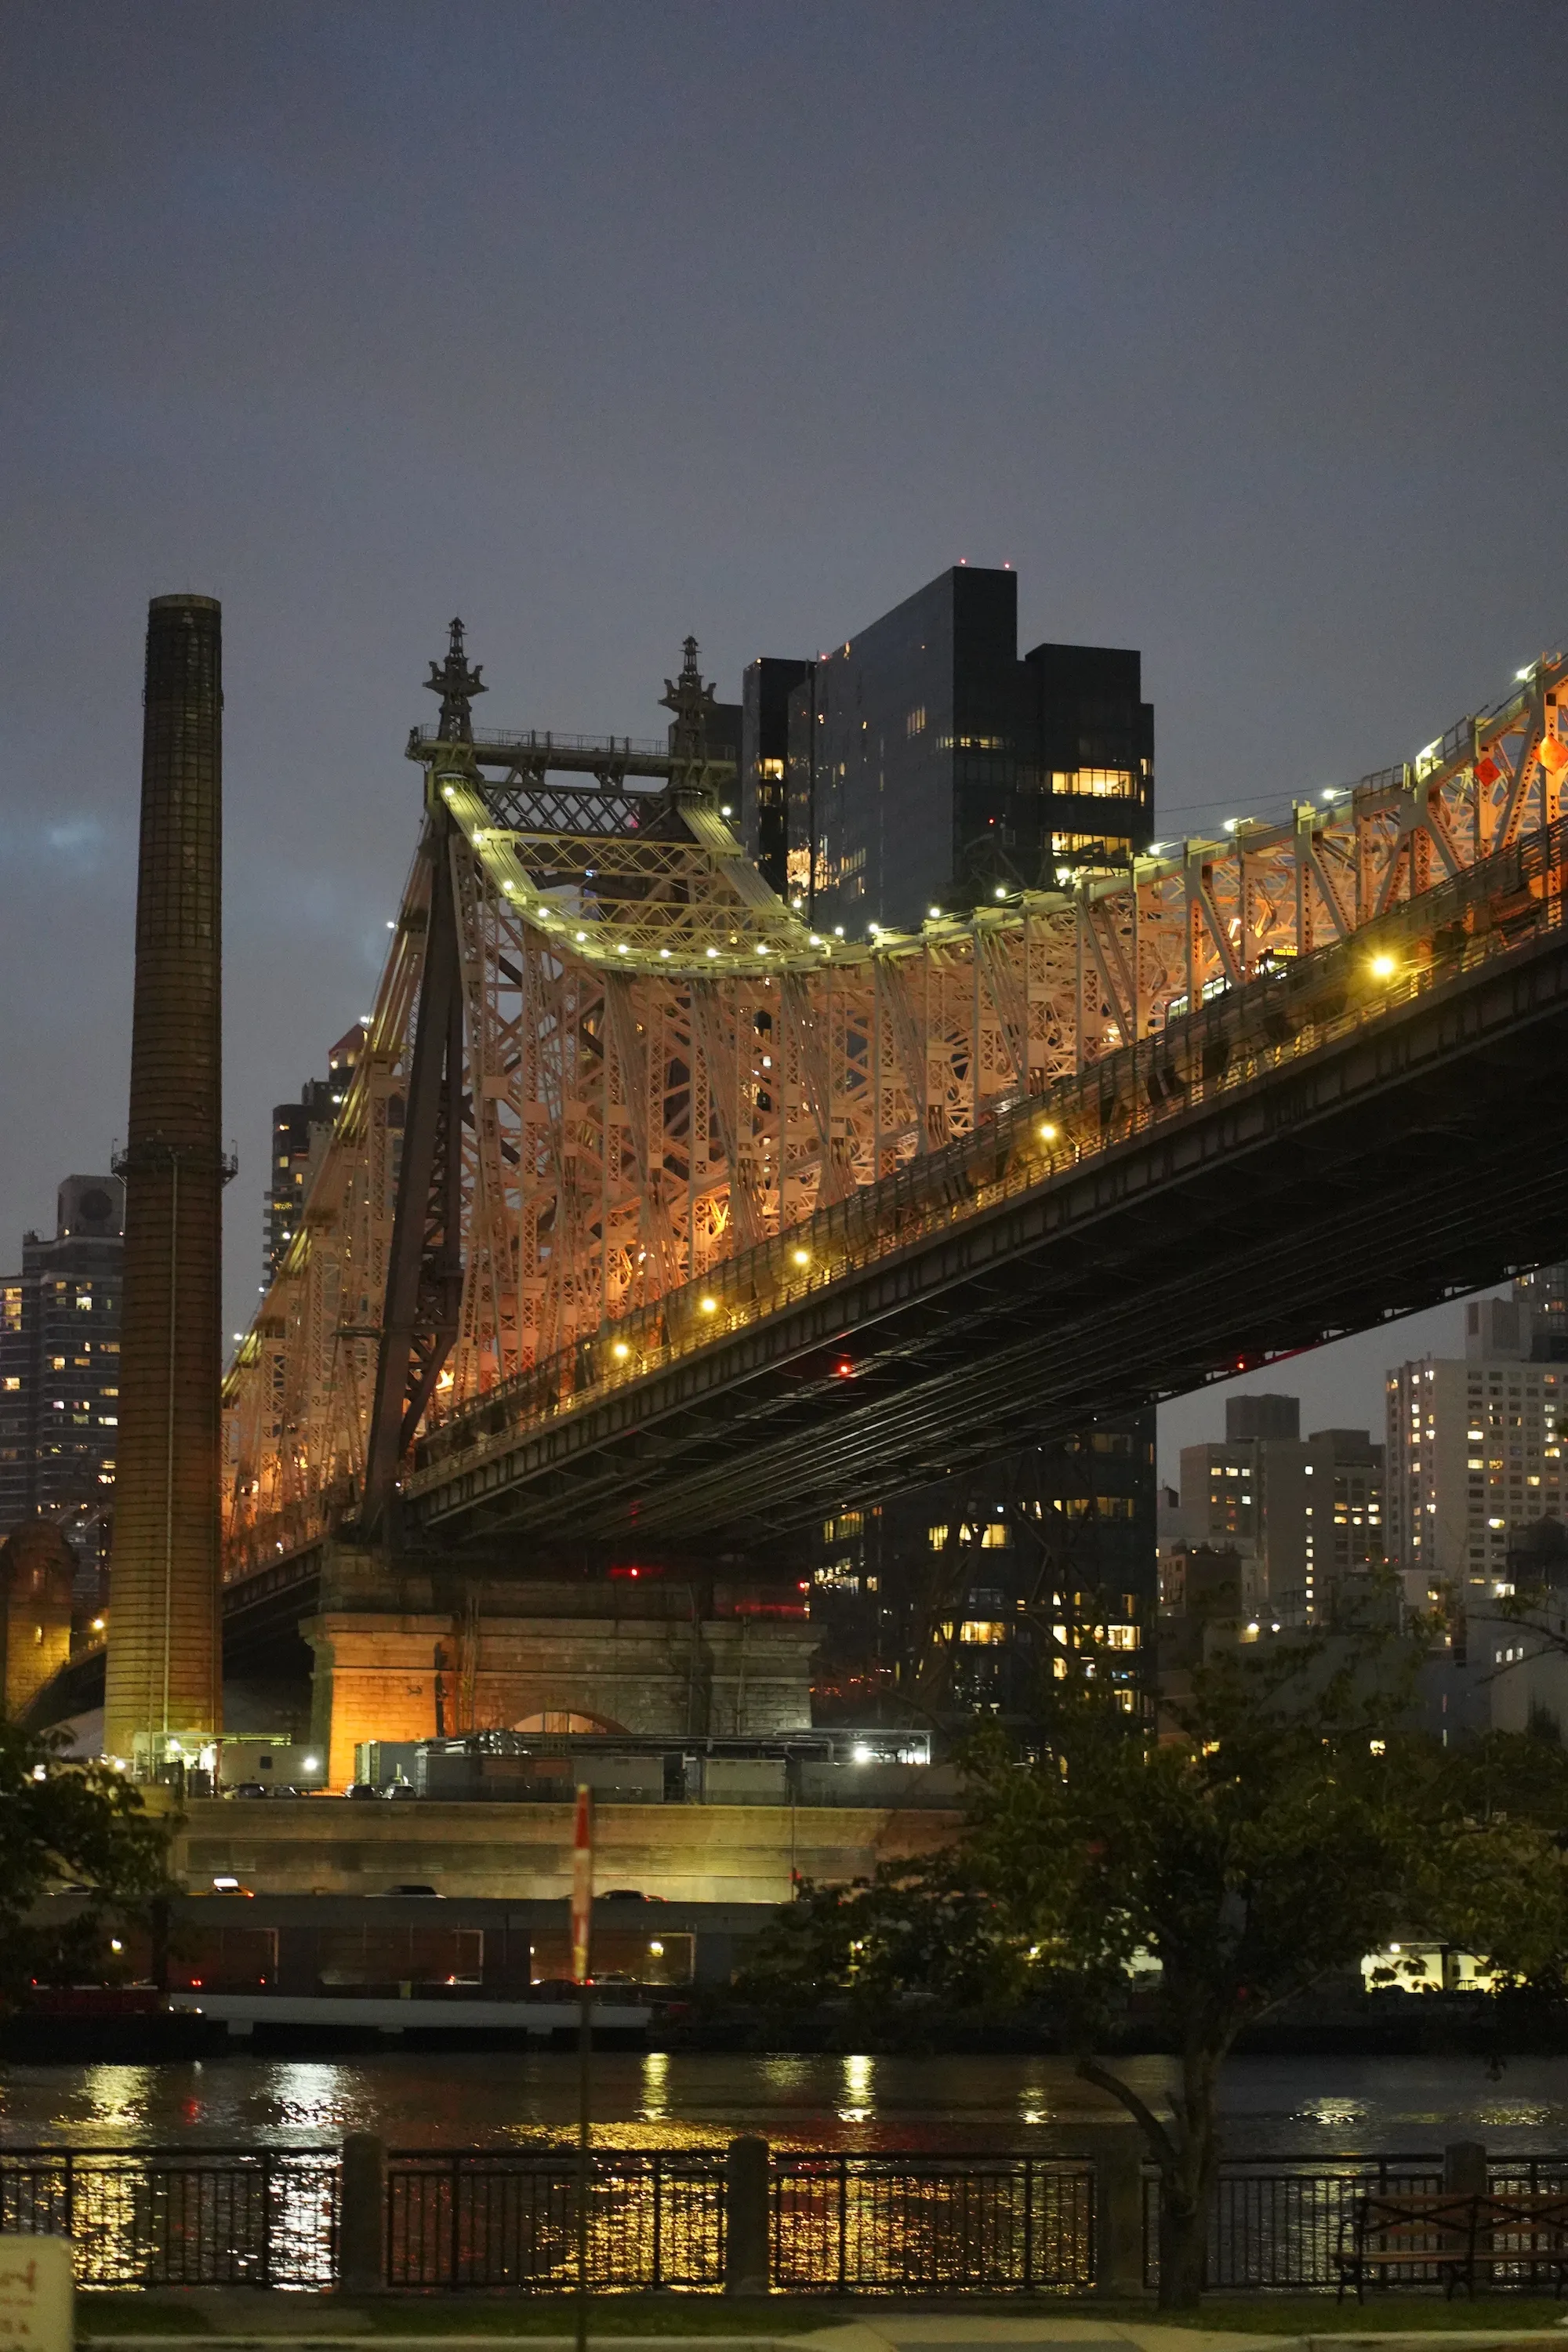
893,2223
900,2224
510,2220
1277,2220
154,2217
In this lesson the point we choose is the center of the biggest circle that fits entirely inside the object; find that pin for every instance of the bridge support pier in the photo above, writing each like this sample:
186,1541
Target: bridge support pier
433,1652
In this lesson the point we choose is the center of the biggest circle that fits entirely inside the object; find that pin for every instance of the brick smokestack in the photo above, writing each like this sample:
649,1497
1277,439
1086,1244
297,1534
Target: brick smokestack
164,1671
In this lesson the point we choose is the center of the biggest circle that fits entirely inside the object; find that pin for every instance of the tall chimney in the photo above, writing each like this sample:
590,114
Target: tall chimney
164,1679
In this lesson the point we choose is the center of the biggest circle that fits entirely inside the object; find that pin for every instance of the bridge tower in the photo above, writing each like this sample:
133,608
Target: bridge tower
163,1679
425,1271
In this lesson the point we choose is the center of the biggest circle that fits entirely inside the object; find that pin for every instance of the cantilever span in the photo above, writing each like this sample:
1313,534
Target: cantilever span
733,1219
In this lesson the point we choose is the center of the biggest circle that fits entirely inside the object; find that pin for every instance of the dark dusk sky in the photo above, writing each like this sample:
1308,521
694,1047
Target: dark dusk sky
1236,329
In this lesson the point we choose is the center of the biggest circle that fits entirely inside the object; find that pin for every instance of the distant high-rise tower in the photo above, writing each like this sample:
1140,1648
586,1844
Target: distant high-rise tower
923,764
163,1679
59,1376
301,1131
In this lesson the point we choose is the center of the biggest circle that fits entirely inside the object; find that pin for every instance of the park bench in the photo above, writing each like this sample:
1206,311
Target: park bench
1524,2230
1456,2235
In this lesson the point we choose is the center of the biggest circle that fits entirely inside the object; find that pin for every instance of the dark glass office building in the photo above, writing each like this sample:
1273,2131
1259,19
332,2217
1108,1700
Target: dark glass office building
765,691
923,763
927,764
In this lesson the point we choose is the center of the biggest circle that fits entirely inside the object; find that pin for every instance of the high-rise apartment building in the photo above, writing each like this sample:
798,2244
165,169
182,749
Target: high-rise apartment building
301,1131
59,1375
927,764
1246,1493
1346,1531
1304,1513
962,1598
1475,1444
1545,1293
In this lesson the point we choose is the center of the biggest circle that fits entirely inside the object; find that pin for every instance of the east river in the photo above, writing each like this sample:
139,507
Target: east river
1272,2106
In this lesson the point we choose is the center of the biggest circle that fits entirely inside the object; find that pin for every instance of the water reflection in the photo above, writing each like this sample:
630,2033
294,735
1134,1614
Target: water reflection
656,2087
118,2101
701,2100
858,2076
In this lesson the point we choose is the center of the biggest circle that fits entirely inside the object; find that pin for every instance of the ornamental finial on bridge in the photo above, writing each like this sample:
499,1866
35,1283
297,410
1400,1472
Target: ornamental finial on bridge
692,703
456,685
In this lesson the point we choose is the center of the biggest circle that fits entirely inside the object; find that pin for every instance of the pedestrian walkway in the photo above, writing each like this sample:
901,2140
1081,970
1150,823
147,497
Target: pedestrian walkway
235,2320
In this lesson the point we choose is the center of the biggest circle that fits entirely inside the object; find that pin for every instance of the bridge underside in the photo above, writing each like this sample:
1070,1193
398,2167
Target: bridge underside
1419,1156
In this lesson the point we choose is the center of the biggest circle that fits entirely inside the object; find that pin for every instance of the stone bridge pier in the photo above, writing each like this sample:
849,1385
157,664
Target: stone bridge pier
419,1650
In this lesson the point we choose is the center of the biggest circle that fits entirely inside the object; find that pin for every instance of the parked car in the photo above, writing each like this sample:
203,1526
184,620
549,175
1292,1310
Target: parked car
628,1894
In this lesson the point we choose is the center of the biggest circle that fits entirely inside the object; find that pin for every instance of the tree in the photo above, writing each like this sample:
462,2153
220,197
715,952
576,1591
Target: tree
1264,1843
1277,1829
81,1824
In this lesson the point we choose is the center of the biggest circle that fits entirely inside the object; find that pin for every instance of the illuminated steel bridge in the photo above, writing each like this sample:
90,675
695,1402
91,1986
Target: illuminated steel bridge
651,1211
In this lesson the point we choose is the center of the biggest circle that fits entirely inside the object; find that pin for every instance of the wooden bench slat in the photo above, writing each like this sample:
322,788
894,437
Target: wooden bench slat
1451,2232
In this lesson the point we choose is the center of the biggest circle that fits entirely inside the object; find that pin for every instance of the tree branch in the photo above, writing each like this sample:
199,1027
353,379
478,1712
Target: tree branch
1143,2116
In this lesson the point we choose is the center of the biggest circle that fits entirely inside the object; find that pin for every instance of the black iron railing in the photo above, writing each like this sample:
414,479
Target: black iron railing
1277,2220
510,2220
902,2224
154,2217
897,2222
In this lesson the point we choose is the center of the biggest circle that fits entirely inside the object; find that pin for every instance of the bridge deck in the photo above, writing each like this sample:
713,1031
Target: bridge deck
1324,1149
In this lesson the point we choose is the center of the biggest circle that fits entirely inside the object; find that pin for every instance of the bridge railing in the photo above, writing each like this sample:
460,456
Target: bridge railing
1202,1056
535,740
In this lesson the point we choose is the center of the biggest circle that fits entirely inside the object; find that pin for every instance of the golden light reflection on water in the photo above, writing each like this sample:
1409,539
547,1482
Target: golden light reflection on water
688,2100
859,2078
313,2096
1332,2112
656,2087
118,2099
1524,2114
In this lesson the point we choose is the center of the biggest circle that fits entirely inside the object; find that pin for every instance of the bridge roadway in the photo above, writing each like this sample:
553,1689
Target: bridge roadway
1381,1125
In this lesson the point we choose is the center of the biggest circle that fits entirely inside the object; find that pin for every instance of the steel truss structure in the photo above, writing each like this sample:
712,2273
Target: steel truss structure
604,1060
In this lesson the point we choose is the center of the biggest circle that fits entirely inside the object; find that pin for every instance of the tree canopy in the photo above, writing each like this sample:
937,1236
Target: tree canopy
66,1824
1286,1821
